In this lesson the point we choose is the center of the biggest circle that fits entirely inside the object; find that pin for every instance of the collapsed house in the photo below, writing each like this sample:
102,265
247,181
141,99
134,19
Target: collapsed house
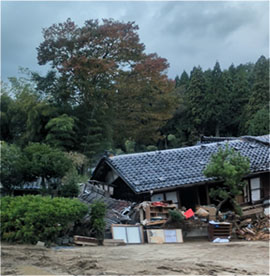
116,209
177,174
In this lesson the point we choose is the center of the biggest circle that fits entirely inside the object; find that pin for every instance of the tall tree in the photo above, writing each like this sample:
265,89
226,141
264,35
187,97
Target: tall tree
196,102
259,98
61,132
93,62
217,101
238,88
145,100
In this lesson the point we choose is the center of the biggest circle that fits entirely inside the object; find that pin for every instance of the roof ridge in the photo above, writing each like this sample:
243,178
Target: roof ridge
171,150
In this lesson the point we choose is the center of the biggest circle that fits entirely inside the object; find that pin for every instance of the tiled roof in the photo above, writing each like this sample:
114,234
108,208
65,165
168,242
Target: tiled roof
183,166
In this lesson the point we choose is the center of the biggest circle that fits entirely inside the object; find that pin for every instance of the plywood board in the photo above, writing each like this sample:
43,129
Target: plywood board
155,236
164,236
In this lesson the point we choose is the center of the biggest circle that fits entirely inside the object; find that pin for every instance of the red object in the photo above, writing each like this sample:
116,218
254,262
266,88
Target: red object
189,213
158,203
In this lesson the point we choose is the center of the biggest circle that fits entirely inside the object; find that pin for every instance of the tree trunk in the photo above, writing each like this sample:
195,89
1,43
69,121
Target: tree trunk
219,206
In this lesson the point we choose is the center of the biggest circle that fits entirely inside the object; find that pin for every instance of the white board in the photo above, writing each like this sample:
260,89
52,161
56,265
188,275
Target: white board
128,233
119,233
170,236
133,235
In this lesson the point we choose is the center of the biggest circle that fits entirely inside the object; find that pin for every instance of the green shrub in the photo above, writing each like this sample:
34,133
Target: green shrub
175,216
70,181
28,219
97,213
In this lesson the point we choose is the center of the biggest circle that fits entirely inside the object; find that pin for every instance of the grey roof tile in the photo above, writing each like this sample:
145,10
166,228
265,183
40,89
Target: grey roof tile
175,167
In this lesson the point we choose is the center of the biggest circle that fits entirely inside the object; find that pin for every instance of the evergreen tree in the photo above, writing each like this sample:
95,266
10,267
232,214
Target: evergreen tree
259,98
61,132
217,105
196,101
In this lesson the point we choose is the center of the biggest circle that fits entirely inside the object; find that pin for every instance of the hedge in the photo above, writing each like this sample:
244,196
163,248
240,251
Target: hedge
29,219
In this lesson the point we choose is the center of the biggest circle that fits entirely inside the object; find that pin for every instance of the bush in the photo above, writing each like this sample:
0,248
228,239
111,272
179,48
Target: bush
70,181
98,212
28,219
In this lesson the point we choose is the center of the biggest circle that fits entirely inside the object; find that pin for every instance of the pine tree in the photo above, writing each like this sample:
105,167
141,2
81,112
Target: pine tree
217,104
259,98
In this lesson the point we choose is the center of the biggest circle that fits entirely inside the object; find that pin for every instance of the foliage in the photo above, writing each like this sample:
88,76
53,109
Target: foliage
46,162
259,124
175,216
102,90
79,160
11,172
97,214
130,146
151,148
145,100
60,132
69,186
29,219
230,167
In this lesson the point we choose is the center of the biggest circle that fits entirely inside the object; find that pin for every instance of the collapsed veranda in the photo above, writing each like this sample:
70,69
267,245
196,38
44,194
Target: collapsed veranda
177,174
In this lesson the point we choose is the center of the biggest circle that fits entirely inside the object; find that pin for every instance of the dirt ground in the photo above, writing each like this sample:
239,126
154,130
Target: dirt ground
195,258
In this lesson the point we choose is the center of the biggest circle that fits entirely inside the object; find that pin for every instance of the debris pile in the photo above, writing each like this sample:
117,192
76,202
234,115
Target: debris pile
253,229
154,213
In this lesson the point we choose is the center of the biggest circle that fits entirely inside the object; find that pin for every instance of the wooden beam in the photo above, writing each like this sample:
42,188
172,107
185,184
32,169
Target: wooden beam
179,199
198,196
207,194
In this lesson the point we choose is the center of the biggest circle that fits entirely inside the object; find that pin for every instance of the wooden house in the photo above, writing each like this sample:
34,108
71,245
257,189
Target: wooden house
177,174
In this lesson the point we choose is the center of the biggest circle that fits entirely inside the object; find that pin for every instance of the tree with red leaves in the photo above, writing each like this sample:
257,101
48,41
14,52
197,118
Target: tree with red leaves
104,69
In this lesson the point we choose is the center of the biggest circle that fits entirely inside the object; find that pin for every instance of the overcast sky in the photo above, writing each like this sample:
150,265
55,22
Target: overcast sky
187,34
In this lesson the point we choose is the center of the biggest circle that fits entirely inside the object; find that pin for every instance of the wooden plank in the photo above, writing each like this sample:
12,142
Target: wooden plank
113,242
85,243
85,239
156,222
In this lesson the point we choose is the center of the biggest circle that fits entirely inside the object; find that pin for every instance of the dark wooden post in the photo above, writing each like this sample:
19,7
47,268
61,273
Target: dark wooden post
207,194
198,196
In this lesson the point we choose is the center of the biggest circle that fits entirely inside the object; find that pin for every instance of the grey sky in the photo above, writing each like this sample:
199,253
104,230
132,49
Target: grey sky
187,34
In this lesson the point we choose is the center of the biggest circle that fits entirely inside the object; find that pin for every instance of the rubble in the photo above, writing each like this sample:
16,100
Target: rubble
254,229
252,225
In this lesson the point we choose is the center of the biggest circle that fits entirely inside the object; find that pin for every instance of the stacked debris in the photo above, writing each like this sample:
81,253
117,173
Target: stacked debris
254,228
154,213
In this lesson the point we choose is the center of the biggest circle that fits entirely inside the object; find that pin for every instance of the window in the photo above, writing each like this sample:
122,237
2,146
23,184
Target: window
255,188
157,197
172,196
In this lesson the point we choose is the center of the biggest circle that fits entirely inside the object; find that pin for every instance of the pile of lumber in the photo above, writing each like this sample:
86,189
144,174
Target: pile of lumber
254,228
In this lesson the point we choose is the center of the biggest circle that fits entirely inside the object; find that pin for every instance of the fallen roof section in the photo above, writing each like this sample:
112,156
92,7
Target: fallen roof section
115,208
